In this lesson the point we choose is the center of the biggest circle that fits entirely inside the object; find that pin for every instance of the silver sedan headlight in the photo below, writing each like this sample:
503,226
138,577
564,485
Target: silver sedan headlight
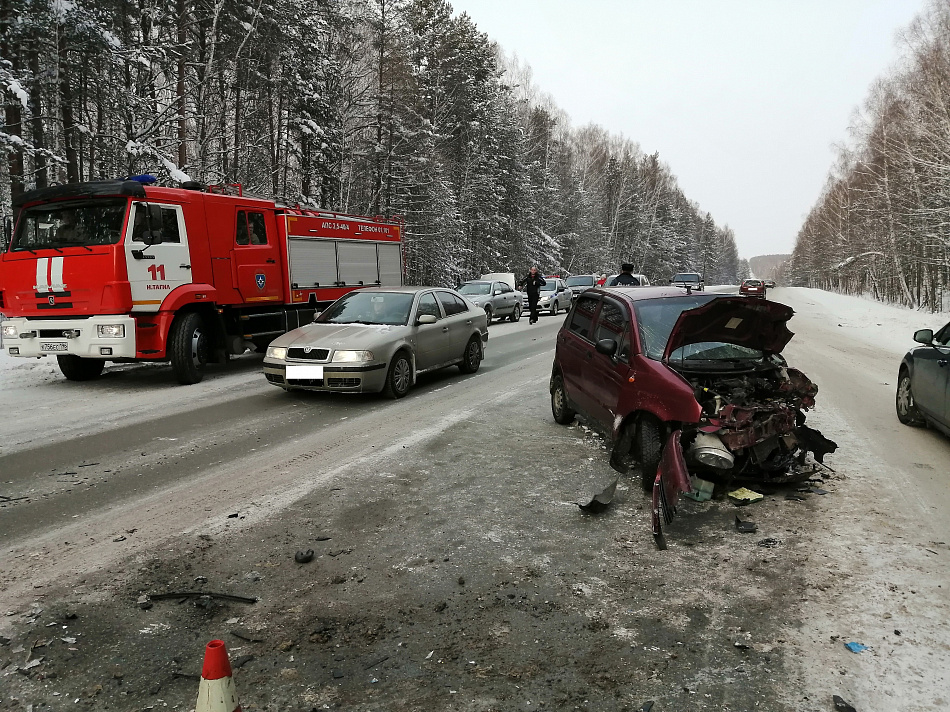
352,356
278,352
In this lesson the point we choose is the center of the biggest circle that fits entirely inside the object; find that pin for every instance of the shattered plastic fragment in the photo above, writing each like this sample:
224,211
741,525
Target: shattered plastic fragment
855,647
746,527
841,705
745,496
304,557
702,489
602,500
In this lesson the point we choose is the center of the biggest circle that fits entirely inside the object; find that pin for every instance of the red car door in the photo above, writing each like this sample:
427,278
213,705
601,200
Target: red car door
575,349
608,376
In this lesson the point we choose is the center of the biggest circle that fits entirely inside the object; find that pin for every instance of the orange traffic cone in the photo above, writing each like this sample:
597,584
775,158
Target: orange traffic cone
216,691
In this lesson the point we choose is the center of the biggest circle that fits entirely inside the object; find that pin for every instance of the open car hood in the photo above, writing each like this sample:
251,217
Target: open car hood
753,323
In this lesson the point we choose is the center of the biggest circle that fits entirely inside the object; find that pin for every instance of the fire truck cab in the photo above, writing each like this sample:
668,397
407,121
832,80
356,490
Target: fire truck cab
121,270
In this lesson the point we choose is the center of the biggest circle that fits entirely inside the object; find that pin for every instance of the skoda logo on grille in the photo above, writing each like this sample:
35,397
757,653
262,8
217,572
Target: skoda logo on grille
307,349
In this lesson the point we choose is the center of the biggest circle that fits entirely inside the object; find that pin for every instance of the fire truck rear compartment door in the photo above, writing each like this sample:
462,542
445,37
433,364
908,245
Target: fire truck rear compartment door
357,261
390,264
313,262
162,267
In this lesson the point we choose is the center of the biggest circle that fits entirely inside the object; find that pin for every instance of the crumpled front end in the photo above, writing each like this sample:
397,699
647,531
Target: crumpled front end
753,425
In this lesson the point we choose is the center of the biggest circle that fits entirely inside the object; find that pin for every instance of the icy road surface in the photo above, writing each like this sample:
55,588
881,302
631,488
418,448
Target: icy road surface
458,573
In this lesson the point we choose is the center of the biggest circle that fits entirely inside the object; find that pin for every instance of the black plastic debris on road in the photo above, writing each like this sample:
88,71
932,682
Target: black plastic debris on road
304,557
768,542
246,635
841,705
746,527
601,500
202,594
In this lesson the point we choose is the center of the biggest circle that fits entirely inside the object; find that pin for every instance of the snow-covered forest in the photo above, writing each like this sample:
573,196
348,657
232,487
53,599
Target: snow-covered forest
882,223
381,107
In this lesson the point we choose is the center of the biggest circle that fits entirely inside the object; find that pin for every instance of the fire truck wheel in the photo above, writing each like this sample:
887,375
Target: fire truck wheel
399,376
188,348
76,368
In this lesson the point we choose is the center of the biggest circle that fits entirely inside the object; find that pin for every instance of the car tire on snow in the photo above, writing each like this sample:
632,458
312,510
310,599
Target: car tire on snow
472,357
560,407
399,376
649,443
516,313
489,315
907,412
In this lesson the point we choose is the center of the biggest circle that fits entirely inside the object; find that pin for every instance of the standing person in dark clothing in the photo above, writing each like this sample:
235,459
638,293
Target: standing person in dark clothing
625,278
532,284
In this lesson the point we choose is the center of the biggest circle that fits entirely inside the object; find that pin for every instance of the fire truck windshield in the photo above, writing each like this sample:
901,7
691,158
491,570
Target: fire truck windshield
70,224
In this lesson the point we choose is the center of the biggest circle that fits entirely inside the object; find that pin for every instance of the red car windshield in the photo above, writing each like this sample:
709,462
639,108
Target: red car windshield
656,318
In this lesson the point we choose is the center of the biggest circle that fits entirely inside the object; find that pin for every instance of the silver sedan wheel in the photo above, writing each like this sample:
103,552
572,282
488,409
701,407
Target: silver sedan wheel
399,377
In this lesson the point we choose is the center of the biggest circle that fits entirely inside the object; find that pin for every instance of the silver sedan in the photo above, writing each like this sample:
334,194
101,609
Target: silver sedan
496,298
380,339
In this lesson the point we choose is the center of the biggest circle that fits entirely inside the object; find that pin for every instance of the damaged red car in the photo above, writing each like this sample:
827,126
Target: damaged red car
699,375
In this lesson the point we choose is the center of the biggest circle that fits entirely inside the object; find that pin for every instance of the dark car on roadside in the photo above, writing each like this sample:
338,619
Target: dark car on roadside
689,280
923,382
579,283
653,366
752,288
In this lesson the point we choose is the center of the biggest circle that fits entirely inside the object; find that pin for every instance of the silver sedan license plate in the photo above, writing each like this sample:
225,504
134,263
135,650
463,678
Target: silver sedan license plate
304,371
59,346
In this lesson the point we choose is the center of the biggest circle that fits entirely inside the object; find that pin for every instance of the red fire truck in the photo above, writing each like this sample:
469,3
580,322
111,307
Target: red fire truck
124,271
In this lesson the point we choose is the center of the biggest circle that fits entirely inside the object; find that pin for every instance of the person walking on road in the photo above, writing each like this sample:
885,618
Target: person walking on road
532,284
626,278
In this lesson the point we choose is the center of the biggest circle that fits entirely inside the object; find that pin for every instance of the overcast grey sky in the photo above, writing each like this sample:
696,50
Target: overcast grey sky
744,99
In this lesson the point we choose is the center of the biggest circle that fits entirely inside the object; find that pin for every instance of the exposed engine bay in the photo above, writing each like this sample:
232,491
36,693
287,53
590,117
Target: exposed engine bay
753,423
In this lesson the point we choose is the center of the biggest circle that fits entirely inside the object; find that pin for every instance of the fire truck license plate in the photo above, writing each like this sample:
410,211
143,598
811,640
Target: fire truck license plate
53,347
304,371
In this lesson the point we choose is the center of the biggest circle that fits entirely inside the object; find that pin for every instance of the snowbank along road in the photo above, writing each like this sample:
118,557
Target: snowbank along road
452,569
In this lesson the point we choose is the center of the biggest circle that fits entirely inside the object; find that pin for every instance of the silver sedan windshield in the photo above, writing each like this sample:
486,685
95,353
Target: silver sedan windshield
361,307
475,288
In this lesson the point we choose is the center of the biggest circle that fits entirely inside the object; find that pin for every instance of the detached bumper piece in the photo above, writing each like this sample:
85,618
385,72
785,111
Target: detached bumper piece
672,478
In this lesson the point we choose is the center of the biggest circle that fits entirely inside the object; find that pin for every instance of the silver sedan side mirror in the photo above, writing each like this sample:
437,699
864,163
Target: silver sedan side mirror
427,319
